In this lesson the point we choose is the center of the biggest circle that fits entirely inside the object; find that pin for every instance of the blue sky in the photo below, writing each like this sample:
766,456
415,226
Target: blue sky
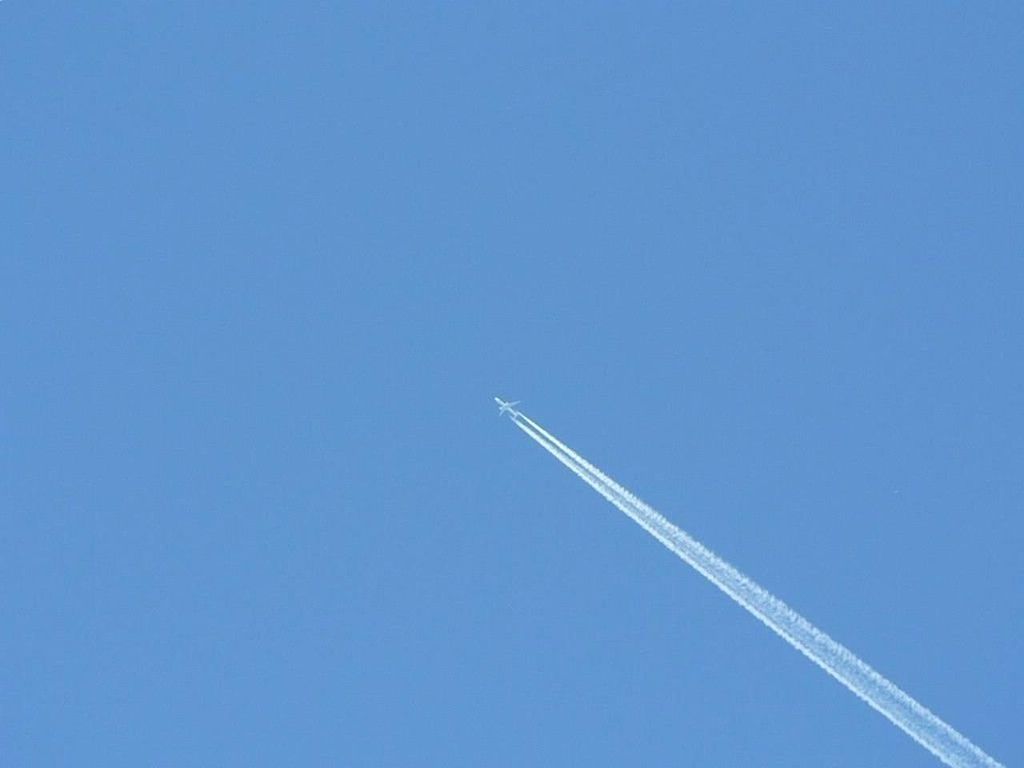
265,265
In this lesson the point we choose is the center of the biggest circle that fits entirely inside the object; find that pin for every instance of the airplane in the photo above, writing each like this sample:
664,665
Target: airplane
505,406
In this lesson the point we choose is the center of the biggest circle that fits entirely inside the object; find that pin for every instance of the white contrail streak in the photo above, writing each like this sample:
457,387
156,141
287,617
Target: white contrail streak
918,722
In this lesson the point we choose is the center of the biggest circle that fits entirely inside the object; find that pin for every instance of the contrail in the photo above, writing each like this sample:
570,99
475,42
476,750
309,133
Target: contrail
918,722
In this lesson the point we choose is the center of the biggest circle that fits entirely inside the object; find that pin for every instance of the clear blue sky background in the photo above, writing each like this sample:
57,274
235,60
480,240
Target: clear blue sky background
264,265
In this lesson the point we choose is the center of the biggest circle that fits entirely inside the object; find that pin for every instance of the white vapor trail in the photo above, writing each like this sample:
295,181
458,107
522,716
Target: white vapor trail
918,722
